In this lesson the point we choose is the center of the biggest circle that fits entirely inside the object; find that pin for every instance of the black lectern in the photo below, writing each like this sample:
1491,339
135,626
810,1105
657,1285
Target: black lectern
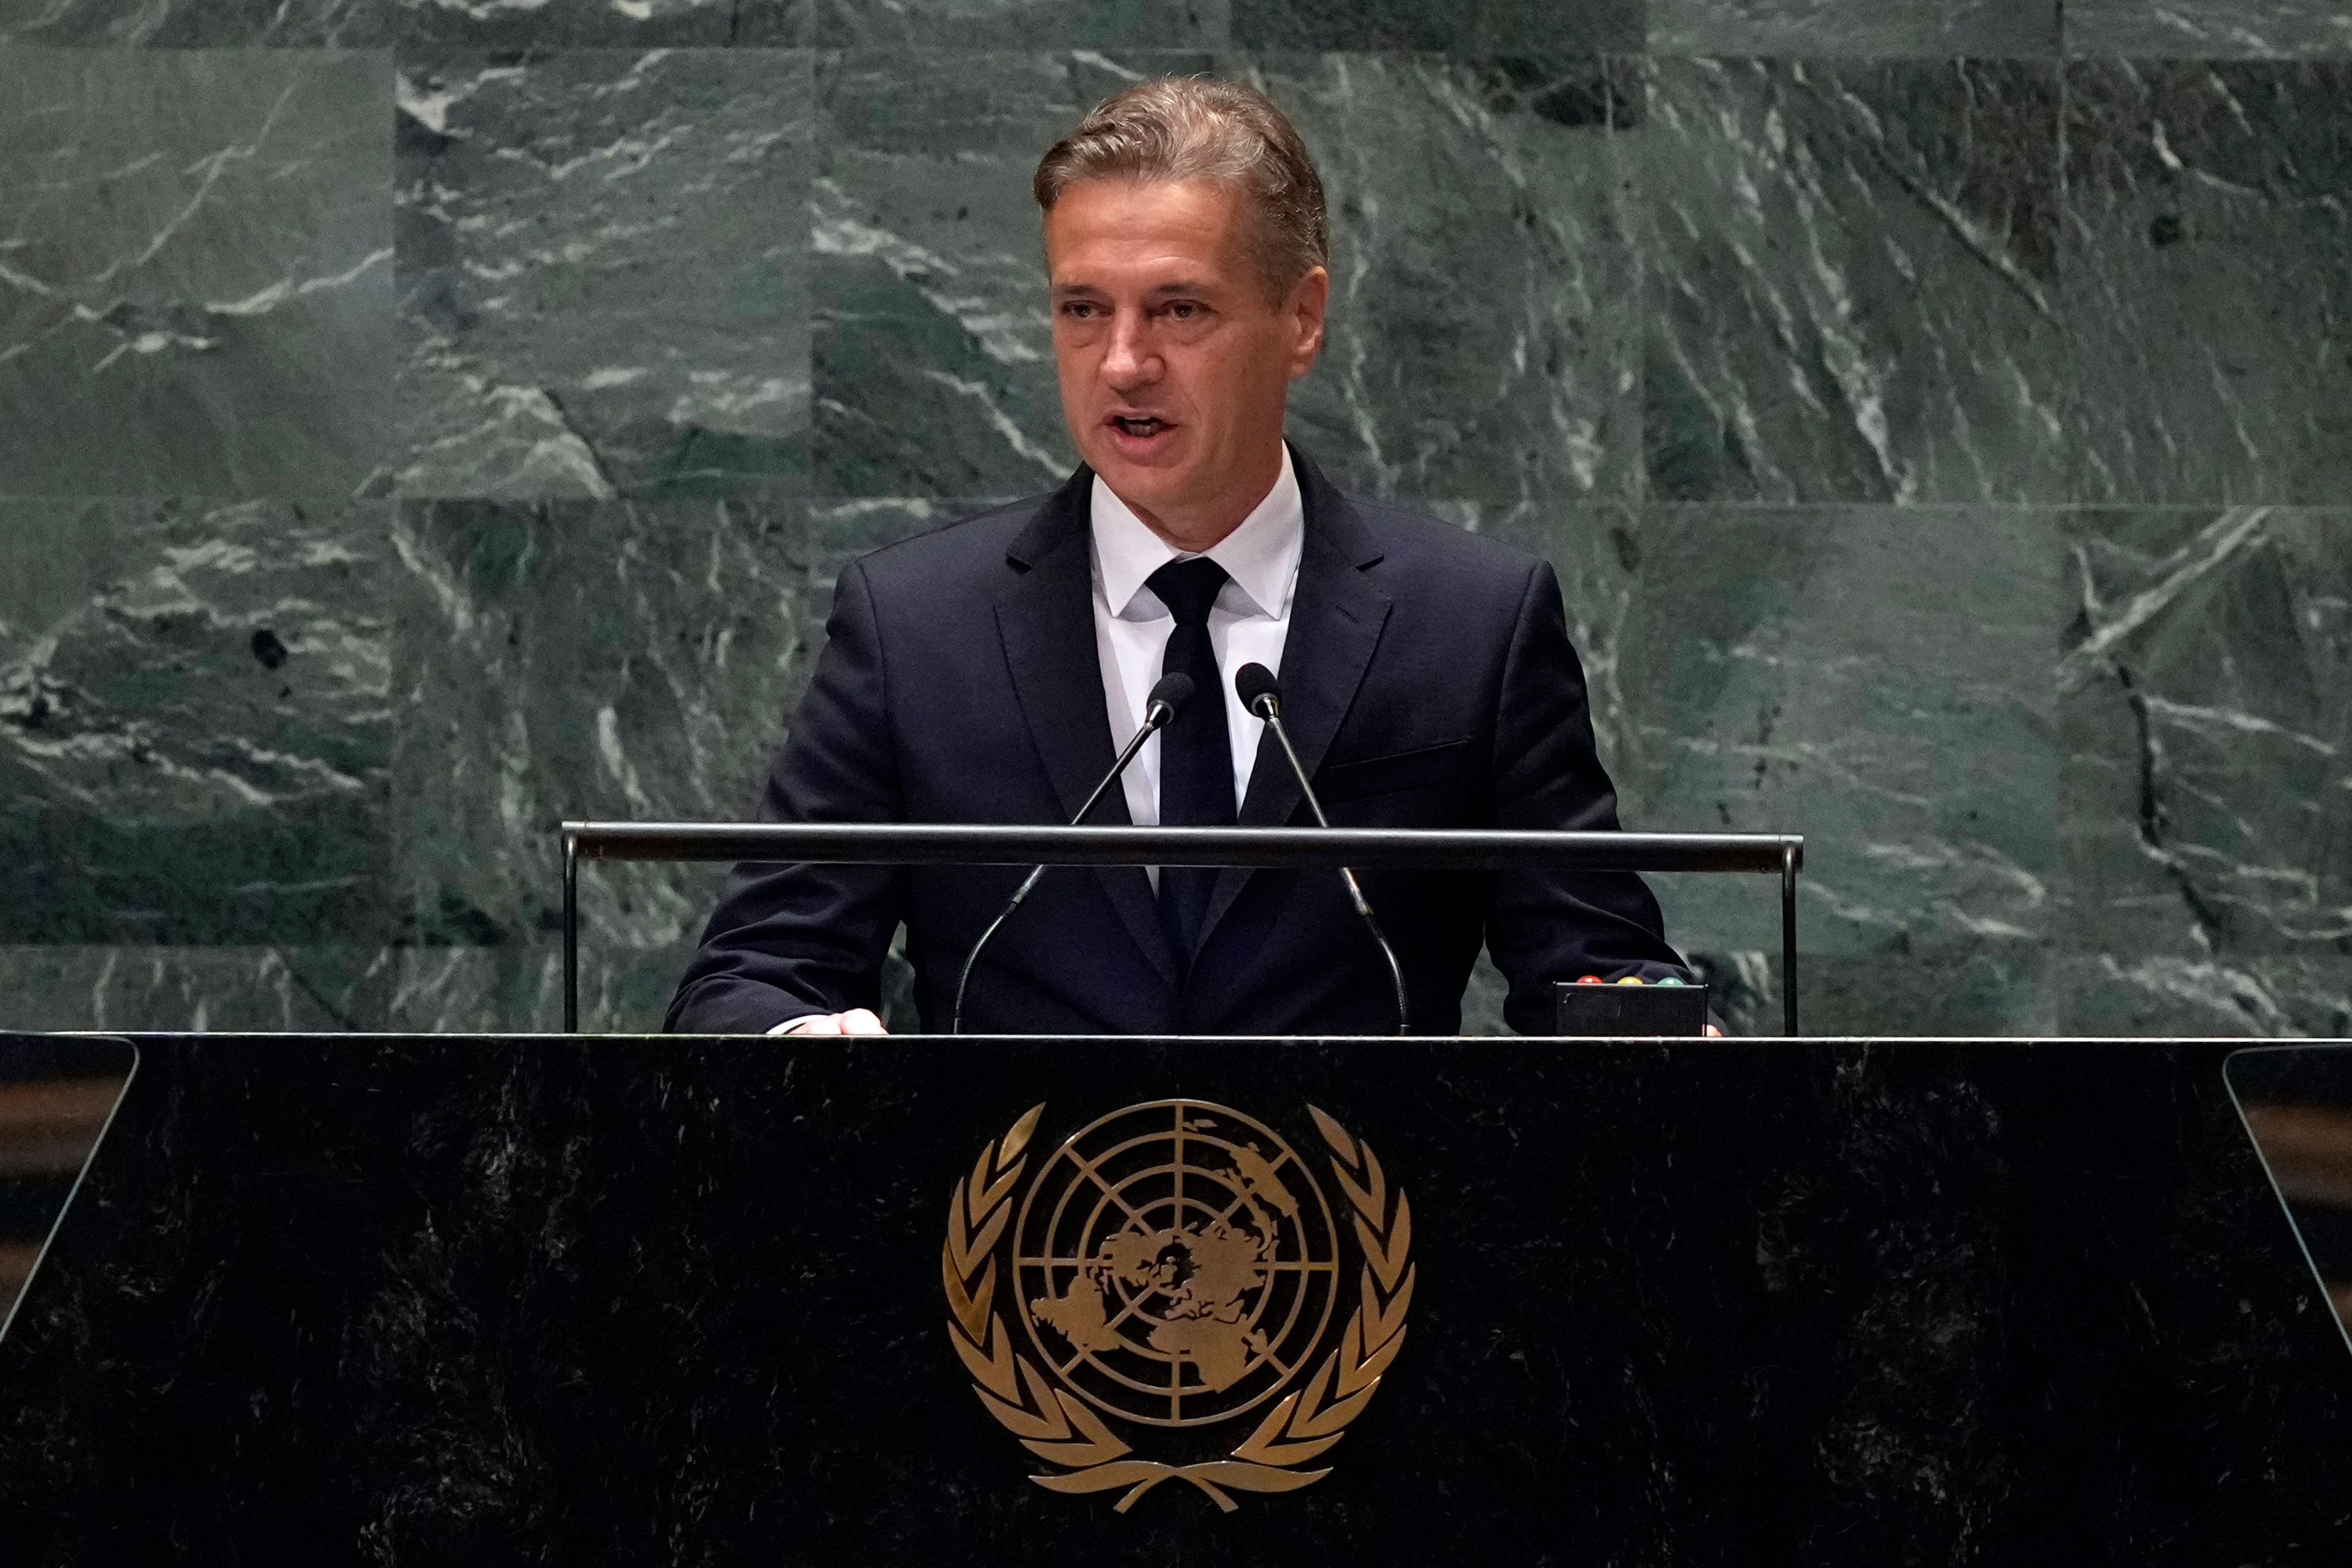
1028,1301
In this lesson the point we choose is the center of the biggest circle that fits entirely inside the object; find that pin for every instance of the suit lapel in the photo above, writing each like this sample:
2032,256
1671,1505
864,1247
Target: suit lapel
1336,616
1045,617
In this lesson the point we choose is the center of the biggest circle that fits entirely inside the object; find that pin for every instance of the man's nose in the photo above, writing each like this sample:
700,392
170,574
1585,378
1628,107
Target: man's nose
1130,360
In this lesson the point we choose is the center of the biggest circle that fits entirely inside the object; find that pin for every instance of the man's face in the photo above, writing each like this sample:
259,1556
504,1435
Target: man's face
1175,355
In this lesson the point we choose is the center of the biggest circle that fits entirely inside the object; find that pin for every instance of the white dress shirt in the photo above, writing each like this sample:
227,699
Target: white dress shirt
1247,625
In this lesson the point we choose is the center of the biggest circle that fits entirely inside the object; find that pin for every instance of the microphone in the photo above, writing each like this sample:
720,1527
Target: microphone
1172,692
1262,695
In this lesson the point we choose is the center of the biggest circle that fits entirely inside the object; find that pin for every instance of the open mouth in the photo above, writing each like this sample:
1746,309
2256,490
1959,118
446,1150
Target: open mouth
1140,427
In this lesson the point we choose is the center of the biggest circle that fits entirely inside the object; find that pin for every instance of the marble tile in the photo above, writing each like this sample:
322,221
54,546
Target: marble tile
2206,712
198,24
2204,279
579,660
1482,341
842,531
1460,362
1877,678
1852,283
1854,28
195,271
1482,1000
603,275
542,25
196,727
518,985
960,26
625,988
965,25
292,988
932,360
2256,996
2208,29
1464,28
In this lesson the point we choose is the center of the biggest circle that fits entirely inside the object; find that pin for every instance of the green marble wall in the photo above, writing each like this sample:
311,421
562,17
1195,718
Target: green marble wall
424,420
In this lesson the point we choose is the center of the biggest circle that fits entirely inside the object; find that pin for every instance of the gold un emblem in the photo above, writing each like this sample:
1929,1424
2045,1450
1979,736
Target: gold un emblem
1175,1267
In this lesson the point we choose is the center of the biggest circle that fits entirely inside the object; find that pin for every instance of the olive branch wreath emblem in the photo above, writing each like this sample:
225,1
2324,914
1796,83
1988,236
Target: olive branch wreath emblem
1059,1428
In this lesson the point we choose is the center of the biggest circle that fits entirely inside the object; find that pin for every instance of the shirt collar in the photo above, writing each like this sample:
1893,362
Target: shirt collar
1261,556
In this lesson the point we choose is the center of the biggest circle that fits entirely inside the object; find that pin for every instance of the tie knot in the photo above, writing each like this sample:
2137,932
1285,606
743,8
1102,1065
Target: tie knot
1188,588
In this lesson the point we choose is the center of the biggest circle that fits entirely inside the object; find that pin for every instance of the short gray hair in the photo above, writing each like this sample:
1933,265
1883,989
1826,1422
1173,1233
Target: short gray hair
1199,127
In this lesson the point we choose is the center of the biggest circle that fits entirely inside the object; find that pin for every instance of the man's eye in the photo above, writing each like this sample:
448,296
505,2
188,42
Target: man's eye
1184,310
1078,310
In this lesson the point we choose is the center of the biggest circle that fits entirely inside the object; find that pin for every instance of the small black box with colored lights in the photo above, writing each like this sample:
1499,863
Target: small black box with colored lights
1590,1009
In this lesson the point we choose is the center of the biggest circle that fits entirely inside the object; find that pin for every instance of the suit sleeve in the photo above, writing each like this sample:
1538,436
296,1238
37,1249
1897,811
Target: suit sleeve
790,941
1543,925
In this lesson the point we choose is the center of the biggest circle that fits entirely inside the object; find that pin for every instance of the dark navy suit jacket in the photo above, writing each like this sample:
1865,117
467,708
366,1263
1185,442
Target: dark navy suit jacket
1427,681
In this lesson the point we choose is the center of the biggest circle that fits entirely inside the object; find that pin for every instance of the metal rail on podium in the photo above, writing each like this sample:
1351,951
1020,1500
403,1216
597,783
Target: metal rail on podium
1358,849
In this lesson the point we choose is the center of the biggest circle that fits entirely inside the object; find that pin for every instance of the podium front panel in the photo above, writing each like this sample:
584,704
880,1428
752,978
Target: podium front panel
1010,1302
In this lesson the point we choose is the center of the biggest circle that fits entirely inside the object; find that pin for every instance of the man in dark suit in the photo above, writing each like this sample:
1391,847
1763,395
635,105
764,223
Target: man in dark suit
986,672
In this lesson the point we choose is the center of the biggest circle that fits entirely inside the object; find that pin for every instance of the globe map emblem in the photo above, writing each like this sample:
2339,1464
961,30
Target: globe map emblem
1175,1263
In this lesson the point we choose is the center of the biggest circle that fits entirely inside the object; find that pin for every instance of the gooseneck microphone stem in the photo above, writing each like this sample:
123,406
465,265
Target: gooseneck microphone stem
1172,692
1257,689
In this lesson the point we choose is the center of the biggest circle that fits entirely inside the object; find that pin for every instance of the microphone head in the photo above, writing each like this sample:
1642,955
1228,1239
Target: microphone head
1254,684
1172,692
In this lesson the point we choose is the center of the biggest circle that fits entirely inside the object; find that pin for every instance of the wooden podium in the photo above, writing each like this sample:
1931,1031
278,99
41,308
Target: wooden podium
373,1299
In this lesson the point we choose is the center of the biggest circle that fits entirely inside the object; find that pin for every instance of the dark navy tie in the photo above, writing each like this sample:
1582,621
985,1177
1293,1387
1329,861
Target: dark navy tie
1196,757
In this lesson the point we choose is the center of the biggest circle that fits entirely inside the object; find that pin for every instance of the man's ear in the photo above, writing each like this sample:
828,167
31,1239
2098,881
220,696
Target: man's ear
1304,310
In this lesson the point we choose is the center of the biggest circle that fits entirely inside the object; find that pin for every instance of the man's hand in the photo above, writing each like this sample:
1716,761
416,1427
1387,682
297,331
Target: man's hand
856,1021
